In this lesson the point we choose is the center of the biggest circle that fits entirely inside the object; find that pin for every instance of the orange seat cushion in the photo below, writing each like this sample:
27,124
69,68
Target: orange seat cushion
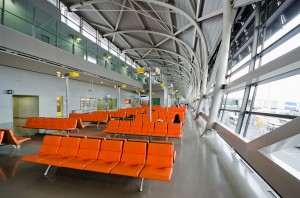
101,166
68,150
55,160
35,157
76,163
151,172
87,153
127,169
49,148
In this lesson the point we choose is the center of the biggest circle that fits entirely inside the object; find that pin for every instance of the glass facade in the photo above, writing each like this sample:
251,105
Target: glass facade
264,104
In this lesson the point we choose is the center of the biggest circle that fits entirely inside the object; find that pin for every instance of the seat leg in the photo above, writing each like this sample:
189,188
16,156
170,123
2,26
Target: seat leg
141,187
77,130
47,170
98,125
27,132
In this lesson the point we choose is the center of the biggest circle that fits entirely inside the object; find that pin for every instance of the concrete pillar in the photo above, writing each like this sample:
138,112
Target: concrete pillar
221,63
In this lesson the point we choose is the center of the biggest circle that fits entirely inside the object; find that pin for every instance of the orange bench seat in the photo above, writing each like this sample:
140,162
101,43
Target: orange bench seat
141,159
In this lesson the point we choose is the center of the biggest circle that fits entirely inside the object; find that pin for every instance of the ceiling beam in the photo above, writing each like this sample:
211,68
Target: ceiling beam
141,22
102,17
151,32
174,8
119,18
192,6
160,49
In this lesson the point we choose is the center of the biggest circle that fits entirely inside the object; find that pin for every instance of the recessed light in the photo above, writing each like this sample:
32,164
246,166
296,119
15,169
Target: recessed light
101,82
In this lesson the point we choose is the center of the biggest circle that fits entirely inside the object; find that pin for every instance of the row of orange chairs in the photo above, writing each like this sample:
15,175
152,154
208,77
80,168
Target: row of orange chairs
155,109
7,137
63,124
102,117
161,117
141,159
151,129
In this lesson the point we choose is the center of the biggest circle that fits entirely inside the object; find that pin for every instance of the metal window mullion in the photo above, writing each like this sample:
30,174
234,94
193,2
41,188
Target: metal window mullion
97,44
243,47
255,36
225,100
239,69
280,41
251,67
249,114
280,9
80,25
243,110
272,115
2,14
243,27
33,22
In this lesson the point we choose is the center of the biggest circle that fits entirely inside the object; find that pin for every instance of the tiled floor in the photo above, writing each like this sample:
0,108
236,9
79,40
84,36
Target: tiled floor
204,167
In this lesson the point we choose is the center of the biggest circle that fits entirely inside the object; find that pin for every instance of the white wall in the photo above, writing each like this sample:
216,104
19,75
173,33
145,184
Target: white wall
47,88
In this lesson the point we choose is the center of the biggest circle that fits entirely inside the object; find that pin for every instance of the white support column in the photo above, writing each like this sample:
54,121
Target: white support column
139,98
221,63
67,96
119,97
150,95
203,90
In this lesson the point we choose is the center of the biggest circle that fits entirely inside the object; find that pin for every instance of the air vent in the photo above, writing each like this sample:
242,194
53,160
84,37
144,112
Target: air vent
28,56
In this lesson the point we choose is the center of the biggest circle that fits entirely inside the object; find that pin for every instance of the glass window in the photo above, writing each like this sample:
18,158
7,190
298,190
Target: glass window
230,119
63,9
259,125
284,48
114,52
284,23
91,59
129,61
234,100
122,56
89,31
104,43
279,97
241,59
240,73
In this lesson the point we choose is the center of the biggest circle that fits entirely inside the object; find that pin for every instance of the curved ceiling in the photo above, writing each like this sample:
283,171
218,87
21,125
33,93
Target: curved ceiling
175,35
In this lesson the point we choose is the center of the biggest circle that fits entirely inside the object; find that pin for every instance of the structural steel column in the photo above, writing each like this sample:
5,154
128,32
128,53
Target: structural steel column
221,63
150,95
67,96
119,97
203,90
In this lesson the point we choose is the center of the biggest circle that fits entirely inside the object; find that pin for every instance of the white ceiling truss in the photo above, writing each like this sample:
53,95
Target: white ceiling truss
154,33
